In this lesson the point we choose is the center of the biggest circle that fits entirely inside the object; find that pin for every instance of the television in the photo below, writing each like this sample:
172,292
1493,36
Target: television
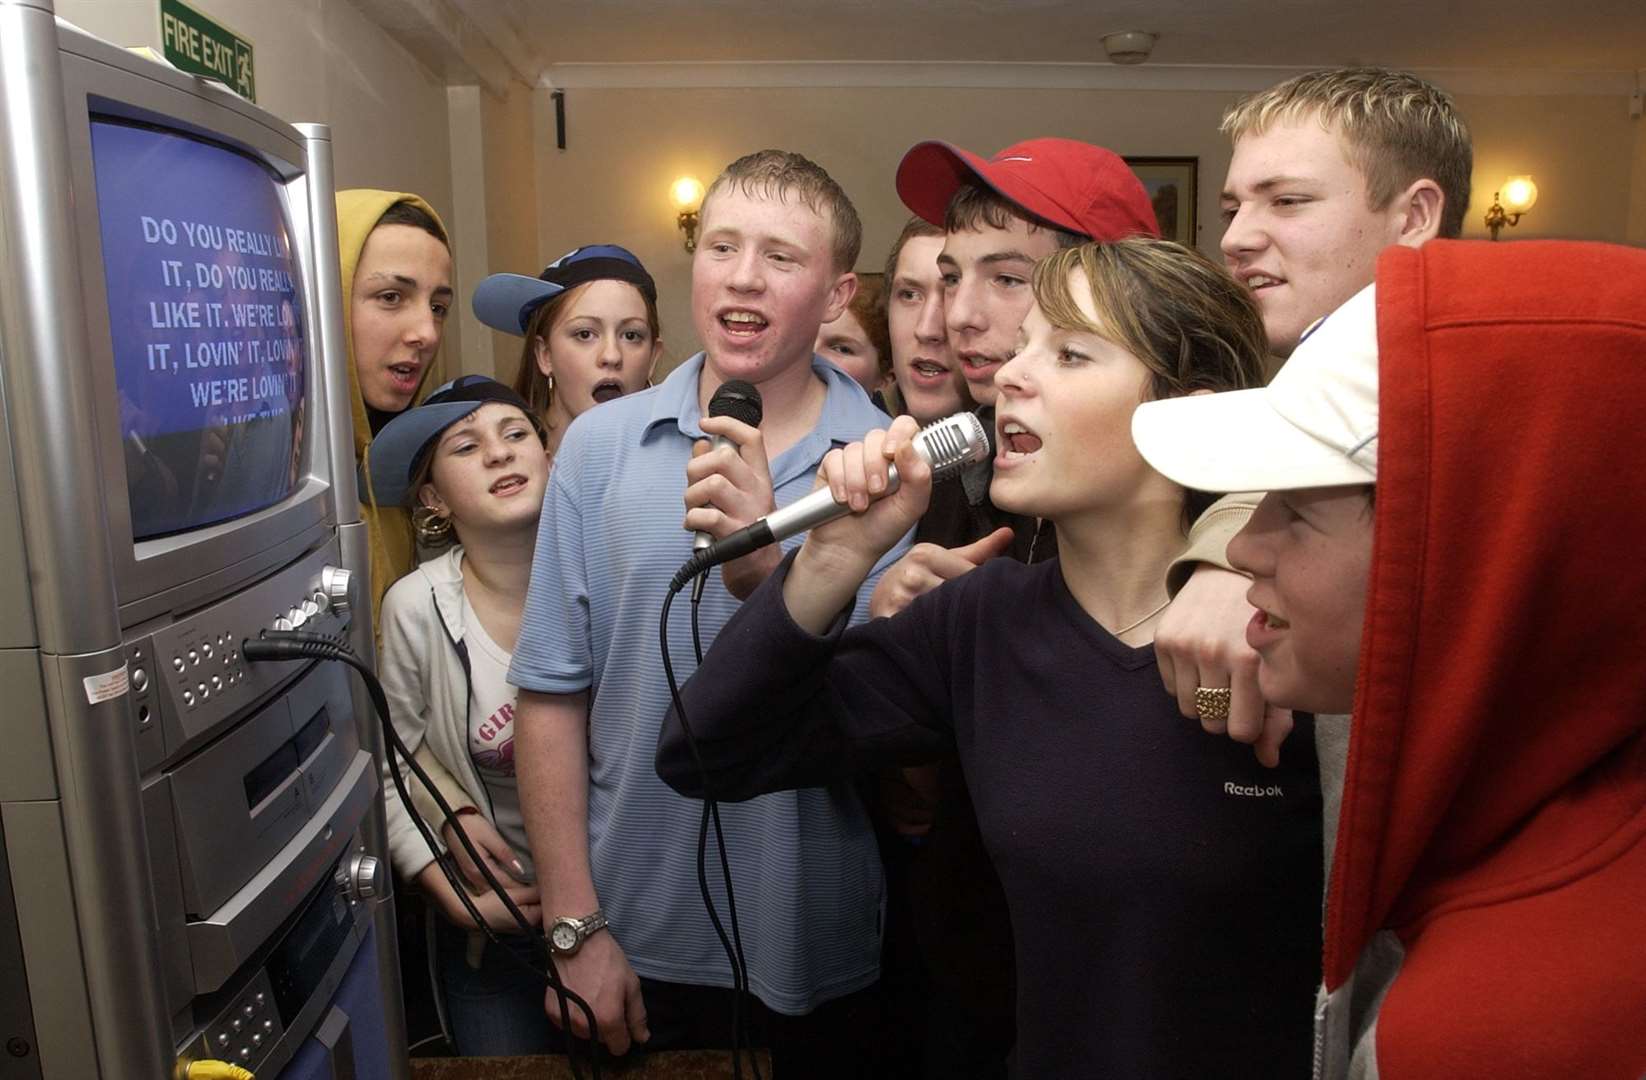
205,327
205,321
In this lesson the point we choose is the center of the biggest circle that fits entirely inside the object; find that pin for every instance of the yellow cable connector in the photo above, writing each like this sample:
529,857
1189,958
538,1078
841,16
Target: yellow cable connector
217,1070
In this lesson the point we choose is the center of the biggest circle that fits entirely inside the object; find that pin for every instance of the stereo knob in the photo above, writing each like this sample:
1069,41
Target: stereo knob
336,584
296,618
365,878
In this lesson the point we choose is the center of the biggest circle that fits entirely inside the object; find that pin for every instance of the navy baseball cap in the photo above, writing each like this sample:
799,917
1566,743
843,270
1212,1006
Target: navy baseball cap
398,451
506,301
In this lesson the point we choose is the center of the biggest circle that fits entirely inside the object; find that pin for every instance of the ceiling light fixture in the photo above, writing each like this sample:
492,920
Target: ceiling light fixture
1129,46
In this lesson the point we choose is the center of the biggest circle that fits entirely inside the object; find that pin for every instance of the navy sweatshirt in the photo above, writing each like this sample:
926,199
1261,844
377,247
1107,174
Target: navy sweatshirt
1164,887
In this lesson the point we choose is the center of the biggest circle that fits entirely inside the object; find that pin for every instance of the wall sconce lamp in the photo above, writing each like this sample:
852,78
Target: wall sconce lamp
687,195
1519,195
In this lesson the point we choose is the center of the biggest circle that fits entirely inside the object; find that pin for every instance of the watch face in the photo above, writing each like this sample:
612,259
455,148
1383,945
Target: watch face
563,936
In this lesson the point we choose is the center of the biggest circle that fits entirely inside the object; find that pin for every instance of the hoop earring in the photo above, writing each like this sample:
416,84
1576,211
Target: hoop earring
433,529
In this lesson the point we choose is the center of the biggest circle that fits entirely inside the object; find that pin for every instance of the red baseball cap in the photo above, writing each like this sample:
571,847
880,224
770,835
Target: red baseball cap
1074,185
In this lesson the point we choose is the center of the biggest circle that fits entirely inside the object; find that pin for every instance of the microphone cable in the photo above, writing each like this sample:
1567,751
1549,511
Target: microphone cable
740,962
286,645
945,446
733,944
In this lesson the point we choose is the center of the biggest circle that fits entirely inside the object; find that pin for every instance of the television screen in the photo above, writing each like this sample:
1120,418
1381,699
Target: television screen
206,318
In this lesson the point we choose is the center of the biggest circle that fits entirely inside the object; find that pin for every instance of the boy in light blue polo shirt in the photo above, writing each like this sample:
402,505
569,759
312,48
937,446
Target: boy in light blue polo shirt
773,263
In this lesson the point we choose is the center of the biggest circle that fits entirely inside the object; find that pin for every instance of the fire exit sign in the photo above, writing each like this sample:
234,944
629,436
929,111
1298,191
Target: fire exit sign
196,44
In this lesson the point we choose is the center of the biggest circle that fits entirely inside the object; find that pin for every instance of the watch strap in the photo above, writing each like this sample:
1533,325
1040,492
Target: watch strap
588,924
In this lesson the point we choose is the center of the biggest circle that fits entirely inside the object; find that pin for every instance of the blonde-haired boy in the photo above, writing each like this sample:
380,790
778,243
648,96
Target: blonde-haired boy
1330,168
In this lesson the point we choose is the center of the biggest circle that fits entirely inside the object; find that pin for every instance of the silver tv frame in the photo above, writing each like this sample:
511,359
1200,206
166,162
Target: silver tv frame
179,572
80,901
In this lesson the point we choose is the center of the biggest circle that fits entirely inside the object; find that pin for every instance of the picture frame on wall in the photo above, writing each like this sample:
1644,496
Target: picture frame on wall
1172,184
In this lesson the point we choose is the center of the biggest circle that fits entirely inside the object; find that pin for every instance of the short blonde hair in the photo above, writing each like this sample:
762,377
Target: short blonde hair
780,174
1396,129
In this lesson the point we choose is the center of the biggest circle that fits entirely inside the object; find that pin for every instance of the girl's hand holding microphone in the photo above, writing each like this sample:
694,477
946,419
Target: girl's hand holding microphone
838,555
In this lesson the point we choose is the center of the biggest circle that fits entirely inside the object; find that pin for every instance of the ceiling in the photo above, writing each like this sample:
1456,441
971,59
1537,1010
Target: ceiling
496,42
1591,34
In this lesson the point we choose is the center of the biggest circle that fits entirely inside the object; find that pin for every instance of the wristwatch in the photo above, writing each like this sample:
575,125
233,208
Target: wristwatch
566,934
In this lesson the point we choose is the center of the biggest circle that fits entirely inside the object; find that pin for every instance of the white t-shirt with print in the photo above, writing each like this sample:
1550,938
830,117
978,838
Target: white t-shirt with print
491,729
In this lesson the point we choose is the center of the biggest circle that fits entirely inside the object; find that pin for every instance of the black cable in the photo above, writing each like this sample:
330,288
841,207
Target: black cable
740,965
318,646
734,951
302,645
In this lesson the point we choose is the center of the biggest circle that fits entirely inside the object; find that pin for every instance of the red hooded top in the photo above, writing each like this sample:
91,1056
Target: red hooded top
1494,806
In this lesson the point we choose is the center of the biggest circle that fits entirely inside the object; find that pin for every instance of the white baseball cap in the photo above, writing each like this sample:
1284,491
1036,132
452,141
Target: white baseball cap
1314,425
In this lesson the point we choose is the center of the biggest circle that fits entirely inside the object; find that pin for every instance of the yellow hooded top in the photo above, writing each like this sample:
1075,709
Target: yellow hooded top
388,528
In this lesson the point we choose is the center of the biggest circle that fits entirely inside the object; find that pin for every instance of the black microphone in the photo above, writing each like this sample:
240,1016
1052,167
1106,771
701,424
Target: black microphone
740,401
945,445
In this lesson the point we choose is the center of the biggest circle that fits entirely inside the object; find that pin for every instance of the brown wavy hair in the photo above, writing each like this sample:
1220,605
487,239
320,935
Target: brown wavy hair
1191,324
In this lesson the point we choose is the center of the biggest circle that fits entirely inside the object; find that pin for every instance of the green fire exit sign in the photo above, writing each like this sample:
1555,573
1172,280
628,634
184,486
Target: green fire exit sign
196,44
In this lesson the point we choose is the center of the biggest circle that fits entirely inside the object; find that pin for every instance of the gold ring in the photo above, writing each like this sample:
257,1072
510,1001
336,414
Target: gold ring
1212,703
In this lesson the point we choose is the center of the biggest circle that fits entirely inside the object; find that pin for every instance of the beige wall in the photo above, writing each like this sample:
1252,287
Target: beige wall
1579,149
627,145
511,201
322,61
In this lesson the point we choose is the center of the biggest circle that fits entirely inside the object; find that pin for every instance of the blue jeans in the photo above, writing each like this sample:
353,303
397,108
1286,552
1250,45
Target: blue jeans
495,1009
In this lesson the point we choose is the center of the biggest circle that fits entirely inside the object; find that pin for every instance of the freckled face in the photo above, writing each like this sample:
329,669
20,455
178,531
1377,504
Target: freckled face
763,283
